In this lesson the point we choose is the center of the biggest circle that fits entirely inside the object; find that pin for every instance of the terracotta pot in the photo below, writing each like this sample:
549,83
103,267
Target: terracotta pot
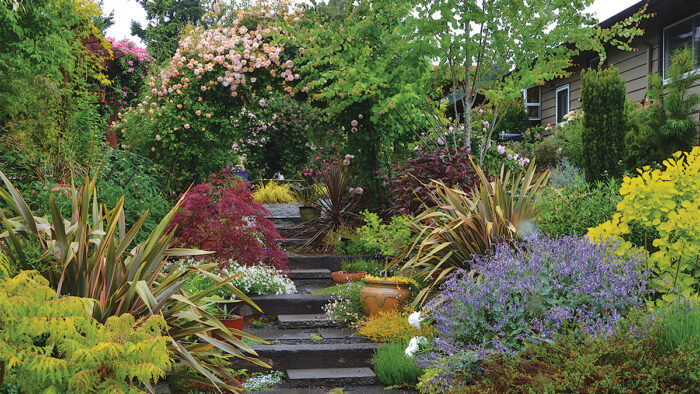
309,213
379,295
345,277
233,322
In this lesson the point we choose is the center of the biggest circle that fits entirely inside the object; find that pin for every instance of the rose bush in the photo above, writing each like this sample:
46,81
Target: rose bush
186,118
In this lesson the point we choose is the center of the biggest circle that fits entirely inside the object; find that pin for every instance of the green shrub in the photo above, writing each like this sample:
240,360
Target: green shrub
96,257
603,98
393,367
514,119
547,153
345,241
51,344
121,174
387,239
373,267
660,211
626,362
680,326
577,207
569,137
566,174
669,123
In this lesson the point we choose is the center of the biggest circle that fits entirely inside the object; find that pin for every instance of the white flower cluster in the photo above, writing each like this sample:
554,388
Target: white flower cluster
267,381
252,280
414,345
259,279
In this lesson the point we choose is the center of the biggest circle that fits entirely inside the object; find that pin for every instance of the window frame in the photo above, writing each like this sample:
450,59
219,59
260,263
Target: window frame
556,102
538,104
662,62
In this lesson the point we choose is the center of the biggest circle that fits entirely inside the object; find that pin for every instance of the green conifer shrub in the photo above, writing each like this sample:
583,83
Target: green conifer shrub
669,123
52,344
603,97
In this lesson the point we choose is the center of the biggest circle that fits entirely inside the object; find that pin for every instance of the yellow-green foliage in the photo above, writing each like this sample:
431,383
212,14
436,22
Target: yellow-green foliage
4,266
668,203
52,344
391,326
273,193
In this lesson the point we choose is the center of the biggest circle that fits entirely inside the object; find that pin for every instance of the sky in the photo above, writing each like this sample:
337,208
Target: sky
127,10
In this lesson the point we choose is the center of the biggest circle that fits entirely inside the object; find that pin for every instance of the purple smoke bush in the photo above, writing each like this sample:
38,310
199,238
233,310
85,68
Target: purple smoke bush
529,292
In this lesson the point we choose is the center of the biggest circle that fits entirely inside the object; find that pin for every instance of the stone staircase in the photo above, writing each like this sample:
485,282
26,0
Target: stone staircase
317,353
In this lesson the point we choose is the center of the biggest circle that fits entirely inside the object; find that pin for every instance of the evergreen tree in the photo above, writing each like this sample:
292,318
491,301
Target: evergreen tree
603,98
669,124
166,20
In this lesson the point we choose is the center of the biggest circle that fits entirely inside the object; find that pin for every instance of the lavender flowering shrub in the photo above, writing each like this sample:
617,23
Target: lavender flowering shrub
528,292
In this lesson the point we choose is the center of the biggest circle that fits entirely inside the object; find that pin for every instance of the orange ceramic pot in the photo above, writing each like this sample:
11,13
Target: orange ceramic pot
345,277
379,295
234,322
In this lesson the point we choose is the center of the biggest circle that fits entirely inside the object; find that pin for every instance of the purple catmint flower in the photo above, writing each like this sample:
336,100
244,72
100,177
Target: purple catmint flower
527,293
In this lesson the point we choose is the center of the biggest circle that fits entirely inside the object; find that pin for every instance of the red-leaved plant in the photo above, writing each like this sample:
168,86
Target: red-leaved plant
408,192
222,216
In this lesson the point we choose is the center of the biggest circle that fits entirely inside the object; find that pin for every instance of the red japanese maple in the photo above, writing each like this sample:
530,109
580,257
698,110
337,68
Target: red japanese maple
222,216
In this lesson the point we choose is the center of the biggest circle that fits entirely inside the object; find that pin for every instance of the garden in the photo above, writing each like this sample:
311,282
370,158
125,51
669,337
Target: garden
276,195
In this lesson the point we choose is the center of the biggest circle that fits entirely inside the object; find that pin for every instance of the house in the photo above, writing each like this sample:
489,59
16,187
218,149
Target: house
676,23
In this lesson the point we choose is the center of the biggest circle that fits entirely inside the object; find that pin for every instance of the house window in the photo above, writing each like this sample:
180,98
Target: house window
562,103
683,33
533,102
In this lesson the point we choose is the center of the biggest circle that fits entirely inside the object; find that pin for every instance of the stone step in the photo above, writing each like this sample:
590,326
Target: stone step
284,304
270,333
314,284
307,320
310,273
317,377
291,242
289,231
299,261
304,356
280,221
377,389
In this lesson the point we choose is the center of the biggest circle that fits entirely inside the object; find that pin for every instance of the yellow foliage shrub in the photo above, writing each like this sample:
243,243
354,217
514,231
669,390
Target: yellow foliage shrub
273,193
664,202
391,326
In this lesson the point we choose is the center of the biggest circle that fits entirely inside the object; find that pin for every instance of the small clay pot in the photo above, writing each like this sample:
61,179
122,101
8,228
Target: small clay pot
345,277
232,322
378,295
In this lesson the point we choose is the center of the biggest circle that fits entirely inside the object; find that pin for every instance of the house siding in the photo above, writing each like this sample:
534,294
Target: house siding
634,66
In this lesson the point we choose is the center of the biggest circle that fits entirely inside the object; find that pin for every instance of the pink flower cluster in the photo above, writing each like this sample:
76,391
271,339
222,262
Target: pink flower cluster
129,47
222,56
512,156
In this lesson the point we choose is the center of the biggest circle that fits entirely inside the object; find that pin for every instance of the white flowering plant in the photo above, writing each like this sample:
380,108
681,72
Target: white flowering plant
267,381
251,280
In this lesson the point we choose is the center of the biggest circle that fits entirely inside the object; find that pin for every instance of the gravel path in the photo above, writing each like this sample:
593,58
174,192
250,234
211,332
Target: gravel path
283,210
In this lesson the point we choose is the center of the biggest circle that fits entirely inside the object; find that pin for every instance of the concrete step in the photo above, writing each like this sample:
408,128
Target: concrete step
317,377
309,273
305,356
306,320
283,304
